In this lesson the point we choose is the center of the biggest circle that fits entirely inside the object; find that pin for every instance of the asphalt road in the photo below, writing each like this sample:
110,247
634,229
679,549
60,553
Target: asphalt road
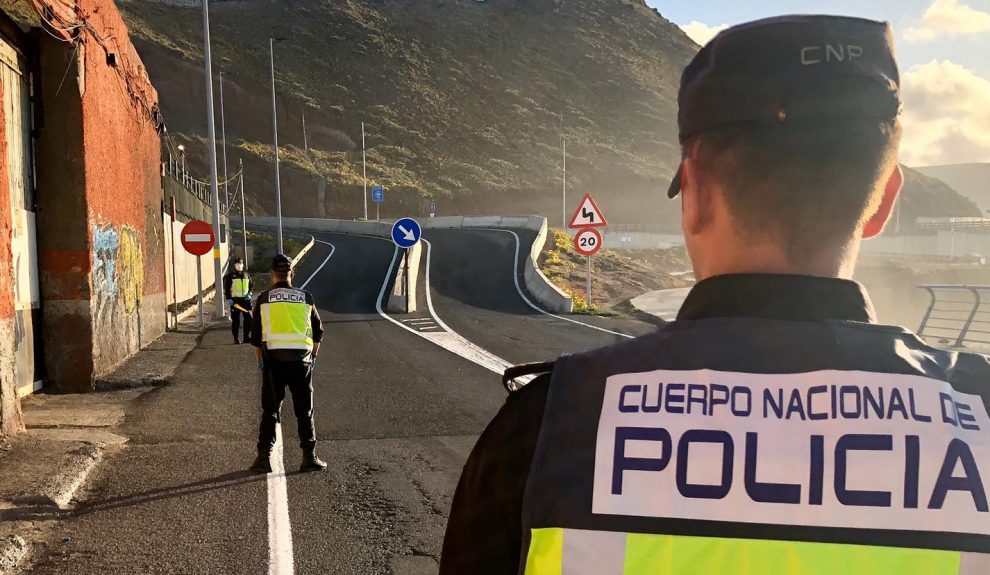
473,291
396,415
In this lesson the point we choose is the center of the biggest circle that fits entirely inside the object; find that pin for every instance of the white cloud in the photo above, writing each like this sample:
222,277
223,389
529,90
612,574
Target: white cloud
701,32
946,115
948,18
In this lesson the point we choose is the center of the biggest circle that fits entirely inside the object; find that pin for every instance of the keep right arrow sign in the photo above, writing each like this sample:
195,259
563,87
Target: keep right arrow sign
588,215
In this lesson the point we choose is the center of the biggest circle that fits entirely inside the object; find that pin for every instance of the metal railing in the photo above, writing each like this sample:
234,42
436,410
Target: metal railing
175,167
957,315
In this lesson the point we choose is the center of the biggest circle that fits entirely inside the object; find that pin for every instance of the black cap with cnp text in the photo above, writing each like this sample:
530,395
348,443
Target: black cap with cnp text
787,70
281,264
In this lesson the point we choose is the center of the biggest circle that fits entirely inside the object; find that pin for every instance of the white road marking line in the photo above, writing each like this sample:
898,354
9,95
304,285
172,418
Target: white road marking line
448,339
280,559
333,248
522,294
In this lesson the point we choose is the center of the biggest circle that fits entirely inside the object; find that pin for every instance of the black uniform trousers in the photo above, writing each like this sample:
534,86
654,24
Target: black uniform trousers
298,377
236,315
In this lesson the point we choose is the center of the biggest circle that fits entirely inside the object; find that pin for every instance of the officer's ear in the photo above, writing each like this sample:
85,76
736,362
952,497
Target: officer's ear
878,220
696,196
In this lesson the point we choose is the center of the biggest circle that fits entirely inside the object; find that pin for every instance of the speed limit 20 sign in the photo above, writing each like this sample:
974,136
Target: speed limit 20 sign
588,241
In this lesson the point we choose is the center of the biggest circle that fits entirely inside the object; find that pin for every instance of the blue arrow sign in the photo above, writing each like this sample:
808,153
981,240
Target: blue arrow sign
406,232
377,194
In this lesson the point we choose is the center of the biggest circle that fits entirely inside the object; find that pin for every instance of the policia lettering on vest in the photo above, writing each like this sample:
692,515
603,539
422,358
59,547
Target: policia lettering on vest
286,337
774,427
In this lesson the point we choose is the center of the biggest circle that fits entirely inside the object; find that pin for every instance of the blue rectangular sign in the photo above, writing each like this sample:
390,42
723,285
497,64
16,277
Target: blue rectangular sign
378,194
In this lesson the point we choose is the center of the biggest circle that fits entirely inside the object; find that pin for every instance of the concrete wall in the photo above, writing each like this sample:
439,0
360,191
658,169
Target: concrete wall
188,207
548,295
101,237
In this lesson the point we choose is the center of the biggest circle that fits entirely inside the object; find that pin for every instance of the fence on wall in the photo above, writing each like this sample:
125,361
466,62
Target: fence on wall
957,315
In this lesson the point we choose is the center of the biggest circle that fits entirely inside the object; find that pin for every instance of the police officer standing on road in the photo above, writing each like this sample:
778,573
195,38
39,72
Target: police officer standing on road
237,290
286,338
773,428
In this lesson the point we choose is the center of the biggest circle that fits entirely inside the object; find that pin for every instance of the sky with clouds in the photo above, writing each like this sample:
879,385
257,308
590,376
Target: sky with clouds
943,47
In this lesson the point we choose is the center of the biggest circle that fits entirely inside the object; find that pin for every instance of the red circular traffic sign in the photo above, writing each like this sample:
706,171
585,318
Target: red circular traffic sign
588,241
197,237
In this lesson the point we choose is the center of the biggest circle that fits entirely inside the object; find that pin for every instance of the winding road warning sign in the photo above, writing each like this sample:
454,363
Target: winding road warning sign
588,215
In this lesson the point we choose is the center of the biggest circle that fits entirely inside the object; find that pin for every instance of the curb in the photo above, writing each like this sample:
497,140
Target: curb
304,251
60,490
13,549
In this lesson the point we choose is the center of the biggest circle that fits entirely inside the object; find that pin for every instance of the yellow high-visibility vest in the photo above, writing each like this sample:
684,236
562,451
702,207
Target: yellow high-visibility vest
240,288
575,551
286,325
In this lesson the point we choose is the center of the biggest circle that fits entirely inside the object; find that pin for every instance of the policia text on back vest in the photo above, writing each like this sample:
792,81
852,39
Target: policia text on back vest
851,448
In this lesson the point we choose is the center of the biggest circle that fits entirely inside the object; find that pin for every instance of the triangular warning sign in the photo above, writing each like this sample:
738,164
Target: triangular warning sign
588,215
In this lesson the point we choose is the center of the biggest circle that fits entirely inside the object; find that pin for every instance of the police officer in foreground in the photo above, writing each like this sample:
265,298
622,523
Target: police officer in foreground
286,337
237,290
774,427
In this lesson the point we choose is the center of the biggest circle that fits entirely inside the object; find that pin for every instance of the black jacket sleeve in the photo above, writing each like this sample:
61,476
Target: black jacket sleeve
228,280
484,530
256,321
314,319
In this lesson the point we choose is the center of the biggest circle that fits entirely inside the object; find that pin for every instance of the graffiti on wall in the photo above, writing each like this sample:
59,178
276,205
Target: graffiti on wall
118,270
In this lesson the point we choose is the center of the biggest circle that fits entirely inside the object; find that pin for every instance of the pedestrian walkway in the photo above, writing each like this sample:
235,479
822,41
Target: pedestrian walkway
663,304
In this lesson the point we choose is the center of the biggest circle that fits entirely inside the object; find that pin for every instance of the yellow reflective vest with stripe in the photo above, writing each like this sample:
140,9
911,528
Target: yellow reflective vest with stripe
867,453
288,323
240,288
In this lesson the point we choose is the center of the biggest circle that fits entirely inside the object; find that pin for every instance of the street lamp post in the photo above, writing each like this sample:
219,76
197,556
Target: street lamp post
364,171
214,191
182,154
223,145
278,185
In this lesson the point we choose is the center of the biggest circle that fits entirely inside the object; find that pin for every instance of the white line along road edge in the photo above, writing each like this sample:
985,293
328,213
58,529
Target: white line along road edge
280,559
522,294
447,339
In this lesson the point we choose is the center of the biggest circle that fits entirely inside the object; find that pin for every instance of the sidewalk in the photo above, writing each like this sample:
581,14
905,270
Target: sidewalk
68,436
663,304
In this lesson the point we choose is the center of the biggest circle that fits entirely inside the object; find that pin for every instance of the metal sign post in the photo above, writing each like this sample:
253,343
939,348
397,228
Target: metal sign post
199,291
198,239
588,286
588,240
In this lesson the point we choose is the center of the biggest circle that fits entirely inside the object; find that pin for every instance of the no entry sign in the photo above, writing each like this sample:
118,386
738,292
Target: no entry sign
197,237
588,241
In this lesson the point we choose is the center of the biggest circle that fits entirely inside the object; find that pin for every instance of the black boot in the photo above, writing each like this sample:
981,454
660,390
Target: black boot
262,463
311,462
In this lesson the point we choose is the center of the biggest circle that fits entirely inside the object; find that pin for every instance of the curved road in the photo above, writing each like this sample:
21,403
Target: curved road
471,275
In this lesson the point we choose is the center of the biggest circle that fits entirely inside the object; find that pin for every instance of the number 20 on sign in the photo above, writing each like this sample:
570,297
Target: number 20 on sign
588,241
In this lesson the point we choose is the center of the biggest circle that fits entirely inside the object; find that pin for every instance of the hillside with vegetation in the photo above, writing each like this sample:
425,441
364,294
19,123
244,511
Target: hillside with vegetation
465,103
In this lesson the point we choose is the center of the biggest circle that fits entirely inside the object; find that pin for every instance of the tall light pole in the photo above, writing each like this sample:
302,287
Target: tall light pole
563,205
364,170
223,145
240,165
278,184
214,191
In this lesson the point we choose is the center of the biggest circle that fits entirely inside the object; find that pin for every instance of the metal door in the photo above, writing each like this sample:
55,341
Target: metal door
16,80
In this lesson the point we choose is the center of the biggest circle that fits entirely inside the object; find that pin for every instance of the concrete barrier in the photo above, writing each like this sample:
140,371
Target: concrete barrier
403,296
543,290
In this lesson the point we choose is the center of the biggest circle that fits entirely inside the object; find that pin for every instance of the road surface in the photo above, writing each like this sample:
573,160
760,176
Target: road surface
396,413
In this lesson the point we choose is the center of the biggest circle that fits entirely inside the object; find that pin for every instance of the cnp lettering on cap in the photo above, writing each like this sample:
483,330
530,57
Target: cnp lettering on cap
827,448
811,55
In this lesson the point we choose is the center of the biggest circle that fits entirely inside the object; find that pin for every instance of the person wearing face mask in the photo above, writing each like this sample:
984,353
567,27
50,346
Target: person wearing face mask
237,290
